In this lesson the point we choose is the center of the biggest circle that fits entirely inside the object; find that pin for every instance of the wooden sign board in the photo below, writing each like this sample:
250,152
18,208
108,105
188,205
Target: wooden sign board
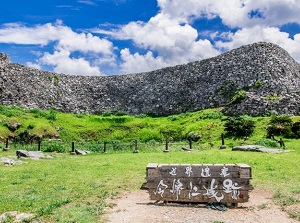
201,183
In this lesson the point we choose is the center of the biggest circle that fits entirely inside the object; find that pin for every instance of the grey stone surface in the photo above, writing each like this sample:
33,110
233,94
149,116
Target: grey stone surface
32,154
81,152
267,73
22,217
7,161
257,148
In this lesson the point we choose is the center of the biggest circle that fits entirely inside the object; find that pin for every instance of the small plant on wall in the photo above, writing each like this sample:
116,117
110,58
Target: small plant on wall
238,97
258,84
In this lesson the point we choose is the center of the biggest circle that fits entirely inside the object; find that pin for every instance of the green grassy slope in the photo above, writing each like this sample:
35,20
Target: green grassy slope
75,188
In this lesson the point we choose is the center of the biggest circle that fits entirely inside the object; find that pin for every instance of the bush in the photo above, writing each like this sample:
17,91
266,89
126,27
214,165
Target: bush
211,115
270,143
173,131
25,137
117,145
296,130
147,135
193,136
238,97
280,125
52,115
241,126
106,113
55,147
120,113
258,84
13,111
95,146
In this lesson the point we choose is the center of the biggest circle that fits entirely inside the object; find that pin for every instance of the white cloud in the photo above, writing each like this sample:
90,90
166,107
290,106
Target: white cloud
85,43
235,13
66,40
136,63
19,34
44,34
168,38
174,43
259,34
33,65
65,64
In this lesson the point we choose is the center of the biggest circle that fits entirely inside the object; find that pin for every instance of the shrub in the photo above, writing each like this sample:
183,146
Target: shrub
258,84
280,125
273,97
141,116
267,143
52,115
30,126
147,135
116,145
173,117
120,113
106,113
95,146
240,126
212,115
55,147
296,130
238,97
173,131
25,137
13,111
193,136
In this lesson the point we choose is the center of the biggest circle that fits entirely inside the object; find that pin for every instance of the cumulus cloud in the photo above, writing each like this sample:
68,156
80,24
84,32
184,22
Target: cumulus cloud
33,65
259,34
66,41
135,63
235,13
65,64
169,38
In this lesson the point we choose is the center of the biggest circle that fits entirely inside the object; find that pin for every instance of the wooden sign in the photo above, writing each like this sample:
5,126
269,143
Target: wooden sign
224,183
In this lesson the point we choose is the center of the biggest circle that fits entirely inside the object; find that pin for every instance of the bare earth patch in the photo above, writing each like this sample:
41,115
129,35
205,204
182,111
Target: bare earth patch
137,207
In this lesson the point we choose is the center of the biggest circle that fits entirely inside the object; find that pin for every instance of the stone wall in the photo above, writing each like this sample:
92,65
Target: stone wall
268,76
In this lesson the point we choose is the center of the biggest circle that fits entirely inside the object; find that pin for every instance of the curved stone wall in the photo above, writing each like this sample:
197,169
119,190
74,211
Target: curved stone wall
253,79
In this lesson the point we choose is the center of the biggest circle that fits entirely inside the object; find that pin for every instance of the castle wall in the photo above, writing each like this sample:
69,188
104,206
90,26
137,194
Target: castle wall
267,74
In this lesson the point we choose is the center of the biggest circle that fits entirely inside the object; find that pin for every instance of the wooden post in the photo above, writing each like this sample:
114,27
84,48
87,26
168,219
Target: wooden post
6,145
104,150
191,142
223,142
167,146
39,145
73,149
281,143
136,147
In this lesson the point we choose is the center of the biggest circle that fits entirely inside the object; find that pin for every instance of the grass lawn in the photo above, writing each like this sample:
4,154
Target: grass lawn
74,188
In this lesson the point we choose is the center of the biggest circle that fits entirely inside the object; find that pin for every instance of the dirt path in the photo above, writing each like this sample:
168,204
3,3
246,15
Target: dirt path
137,207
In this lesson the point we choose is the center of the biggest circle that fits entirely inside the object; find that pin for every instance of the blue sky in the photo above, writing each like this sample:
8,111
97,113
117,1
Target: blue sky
110,37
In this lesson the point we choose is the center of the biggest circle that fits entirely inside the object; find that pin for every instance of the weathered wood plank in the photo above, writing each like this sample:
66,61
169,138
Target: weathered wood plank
226,183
